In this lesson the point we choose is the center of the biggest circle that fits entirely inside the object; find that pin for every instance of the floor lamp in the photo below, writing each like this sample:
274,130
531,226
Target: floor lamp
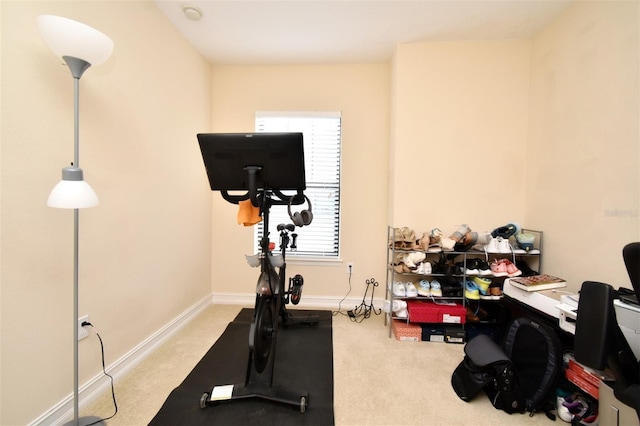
80,46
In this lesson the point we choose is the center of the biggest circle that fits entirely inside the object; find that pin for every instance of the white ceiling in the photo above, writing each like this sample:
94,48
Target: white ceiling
347,31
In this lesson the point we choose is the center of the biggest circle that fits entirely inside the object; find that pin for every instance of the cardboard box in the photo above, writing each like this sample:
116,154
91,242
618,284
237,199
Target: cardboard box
582,383
453,334
586,378
406,332
584,372
432,332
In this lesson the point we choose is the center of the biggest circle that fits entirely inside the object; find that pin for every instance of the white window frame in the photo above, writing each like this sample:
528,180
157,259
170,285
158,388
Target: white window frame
324,231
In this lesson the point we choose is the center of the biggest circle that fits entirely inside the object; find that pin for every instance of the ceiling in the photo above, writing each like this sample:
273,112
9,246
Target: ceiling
347,31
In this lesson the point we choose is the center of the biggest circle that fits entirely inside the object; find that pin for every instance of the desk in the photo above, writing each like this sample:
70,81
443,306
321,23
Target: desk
542,306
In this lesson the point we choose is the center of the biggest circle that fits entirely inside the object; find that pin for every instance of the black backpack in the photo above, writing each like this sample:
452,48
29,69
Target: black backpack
486,366
520,376
536,353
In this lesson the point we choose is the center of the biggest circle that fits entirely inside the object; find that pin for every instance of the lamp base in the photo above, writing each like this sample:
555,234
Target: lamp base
86,420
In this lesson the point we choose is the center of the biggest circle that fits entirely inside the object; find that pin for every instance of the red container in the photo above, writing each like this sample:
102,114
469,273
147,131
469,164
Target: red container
428,311
423,311
453,314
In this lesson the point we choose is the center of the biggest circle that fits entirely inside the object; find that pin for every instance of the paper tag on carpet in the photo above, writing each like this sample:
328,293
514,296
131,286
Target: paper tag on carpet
220,393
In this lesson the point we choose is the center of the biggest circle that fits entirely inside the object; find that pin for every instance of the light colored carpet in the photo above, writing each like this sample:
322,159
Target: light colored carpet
377,380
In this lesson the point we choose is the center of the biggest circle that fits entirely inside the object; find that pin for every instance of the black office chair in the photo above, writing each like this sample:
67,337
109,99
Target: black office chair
631,256
599,342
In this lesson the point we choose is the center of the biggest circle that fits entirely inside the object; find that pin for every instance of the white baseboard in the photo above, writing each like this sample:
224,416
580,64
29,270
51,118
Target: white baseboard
330,303
90,391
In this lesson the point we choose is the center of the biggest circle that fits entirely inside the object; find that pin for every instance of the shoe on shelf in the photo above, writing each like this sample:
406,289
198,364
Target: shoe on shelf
409,237
413,258
492,246
472,267
399,289
424,268
400,308
434,240
436,289
525,240
512,270
495,292
506,231
424,288
484,269
504,246
471,315
459,233
498,268
447,244
482,284
411,290
525,268
471,291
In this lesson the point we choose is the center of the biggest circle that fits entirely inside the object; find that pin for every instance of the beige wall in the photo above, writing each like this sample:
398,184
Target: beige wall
361,93
144,252
459,134
543,132
583,182
481,132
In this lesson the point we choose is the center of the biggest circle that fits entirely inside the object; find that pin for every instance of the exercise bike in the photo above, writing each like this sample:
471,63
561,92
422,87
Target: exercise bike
271,295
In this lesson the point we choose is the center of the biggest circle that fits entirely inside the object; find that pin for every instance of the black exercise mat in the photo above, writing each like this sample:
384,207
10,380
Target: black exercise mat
304,362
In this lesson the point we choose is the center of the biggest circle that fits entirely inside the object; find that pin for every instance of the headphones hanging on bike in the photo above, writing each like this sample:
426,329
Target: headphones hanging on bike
301,218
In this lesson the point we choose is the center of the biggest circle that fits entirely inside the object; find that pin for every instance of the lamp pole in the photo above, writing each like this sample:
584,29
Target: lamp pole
77,67
72,41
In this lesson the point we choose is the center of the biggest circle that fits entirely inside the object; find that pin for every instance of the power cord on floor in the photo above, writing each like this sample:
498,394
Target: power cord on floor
113,392
339,311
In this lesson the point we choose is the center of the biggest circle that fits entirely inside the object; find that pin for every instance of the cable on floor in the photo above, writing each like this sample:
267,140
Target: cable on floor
113,392
339,311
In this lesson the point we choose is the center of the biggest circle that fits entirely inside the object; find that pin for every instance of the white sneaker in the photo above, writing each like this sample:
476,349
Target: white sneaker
492,246
411,290
436,288
399,289
400,308
424,288
503,245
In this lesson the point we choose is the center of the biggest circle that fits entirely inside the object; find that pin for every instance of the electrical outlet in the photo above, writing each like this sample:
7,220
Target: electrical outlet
83,332
350,268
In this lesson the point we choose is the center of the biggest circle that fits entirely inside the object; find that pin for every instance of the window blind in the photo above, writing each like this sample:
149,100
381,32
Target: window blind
322,154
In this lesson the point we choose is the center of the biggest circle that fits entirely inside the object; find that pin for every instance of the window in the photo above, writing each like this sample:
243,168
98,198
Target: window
322,146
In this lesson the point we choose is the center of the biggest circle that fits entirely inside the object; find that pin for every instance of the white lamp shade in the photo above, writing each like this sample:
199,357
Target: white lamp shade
67,37
72,194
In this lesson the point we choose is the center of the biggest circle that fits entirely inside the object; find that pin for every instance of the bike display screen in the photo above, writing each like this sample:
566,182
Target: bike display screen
277,157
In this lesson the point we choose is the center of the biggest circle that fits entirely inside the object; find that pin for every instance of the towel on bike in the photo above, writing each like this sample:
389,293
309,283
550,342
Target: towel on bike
248,214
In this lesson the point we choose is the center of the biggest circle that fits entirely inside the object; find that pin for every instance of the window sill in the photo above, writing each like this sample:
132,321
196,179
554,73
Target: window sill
315,261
